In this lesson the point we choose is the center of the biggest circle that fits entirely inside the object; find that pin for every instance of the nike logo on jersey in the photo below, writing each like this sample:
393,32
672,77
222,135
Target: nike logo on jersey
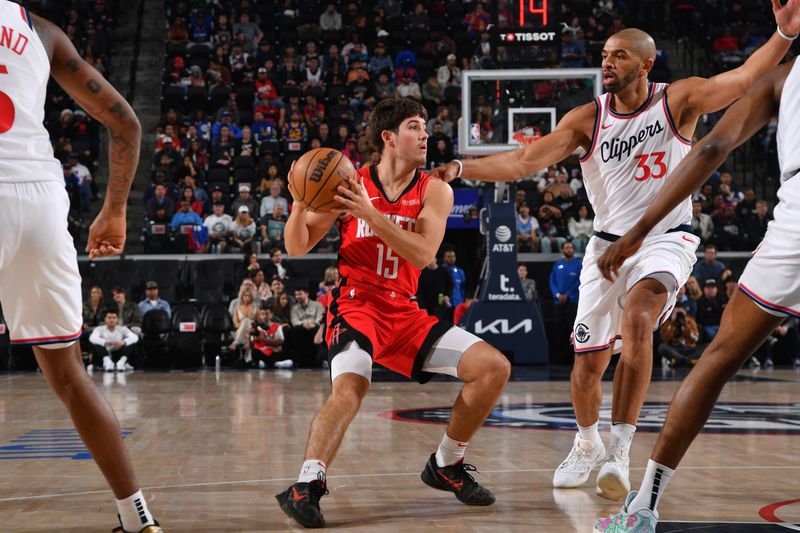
606,126
687,239
620,149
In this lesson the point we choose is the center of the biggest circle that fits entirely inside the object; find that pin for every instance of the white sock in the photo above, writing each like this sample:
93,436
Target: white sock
311,470
656,478
450,451
622,436
590,433
133,512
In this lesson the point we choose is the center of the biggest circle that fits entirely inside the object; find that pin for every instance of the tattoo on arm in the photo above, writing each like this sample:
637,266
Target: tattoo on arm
117,110
73,65
93,86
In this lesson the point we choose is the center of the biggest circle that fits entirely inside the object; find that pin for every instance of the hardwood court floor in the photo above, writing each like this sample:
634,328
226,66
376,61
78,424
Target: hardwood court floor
211,450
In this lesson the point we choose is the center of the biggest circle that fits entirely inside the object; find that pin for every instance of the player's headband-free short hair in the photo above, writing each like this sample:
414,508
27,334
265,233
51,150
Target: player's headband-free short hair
390,113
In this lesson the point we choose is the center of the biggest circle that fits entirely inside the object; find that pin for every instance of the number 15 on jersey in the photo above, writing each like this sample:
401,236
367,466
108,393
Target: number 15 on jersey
388,263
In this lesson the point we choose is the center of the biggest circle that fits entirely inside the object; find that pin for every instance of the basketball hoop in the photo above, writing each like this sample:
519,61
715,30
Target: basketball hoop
527,135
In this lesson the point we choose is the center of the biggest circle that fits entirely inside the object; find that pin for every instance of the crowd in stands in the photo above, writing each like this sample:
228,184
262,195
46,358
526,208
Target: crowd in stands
74,135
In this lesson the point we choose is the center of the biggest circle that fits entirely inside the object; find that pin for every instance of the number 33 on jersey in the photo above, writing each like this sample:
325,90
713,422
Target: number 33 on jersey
363,256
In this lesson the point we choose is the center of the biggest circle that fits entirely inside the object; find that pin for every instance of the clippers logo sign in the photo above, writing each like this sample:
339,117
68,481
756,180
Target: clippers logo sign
734,418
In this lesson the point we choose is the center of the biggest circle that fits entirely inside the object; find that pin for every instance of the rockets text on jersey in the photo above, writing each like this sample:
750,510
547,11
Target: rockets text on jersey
363,256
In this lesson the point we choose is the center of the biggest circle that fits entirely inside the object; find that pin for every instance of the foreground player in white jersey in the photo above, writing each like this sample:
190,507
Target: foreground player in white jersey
631,139
40,286
769,287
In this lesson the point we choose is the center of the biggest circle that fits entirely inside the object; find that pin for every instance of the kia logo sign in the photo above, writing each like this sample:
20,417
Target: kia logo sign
502,327
502,233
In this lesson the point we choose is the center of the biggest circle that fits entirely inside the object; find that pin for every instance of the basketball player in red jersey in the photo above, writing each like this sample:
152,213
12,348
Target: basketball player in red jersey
392,224
40,286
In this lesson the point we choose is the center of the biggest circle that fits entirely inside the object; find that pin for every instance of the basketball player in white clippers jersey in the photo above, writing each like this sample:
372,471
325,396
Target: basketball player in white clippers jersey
769,289
40,287
630,139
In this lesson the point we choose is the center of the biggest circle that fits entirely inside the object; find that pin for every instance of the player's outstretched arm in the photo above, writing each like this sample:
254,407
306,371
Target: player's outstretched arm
738,124
305,228
573,131
94,94
708,95
419,246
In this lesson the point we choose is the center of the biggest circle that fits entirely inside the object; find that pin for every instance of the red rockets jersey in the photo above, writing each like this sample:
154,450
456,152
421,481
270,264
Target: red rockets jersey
363,256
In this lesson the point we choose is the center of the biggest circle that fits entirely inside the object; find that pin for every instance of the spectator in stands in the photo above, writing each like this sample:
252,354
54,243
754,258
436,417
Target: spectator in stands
746,208
226,120
306,317
702,225
251,31
294,133
755,226
177,32
684,300
261,288
219,225
434,289
266,341
418,20
384,88
331,20
281,306
565,199
219,196
331,240
784,339
449,74
200,28
160,199
442,117
709,310
314,75
709,267
246,284
693,289
185,216
581,228
93,310
243,315
679,338
276,266
127,312
527,230
187,169
564,282
268,202
432,93
380,61
728,236
112,341
477,21
243,231
552,233
528,285
272,228
458,275
244,199
573,51
362,95
440,154
84,178
187,195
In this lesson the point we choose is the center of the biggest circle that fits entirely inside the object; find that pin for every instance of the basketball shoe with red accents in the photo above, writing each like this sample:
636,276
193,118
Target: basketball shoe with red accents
457,479
301,502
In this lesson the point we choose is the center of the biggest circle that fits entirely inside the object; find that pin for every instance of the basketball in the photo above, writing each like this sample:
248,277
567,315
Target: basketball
317,175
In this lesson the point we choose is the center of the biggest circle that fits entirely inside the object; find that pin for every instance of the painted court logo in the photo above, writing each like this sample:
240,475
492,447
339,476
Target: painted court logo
752,418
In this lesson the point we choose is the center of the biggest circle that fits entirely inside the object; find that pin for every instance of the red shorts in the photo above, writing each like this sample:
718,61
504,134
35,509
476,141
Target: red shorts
392,329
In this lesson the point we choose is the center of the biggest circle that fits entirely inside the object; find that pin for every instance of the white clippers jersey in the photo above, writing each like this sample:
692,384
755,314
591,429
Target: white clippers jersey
628,160
788,134
25,151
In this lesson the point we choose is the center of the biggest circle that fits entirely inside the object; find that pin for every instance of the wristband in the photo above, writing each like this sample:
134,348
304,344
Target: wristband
787,37
461,165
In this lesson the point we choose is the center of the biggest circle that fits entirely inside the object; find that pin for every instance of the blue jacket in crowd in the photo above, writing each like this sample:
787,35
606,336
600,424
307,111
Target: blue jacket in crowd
565,279
459,279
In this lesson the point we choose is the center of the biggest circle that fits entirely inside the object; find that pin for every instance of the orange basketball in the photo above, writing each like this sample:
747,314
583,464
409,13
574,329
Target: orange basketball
316,176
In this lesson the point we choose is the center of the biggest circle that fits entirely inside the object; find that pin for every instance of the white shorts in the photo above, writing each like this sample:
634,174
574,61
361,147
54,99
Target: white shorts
443,358
40,286
667,258
772,276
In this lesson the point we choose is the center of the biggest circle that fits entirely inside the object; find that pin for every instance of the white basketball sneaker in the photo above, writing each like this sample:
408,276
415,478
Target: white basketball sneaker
121,363
108,364
584,457
613,481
